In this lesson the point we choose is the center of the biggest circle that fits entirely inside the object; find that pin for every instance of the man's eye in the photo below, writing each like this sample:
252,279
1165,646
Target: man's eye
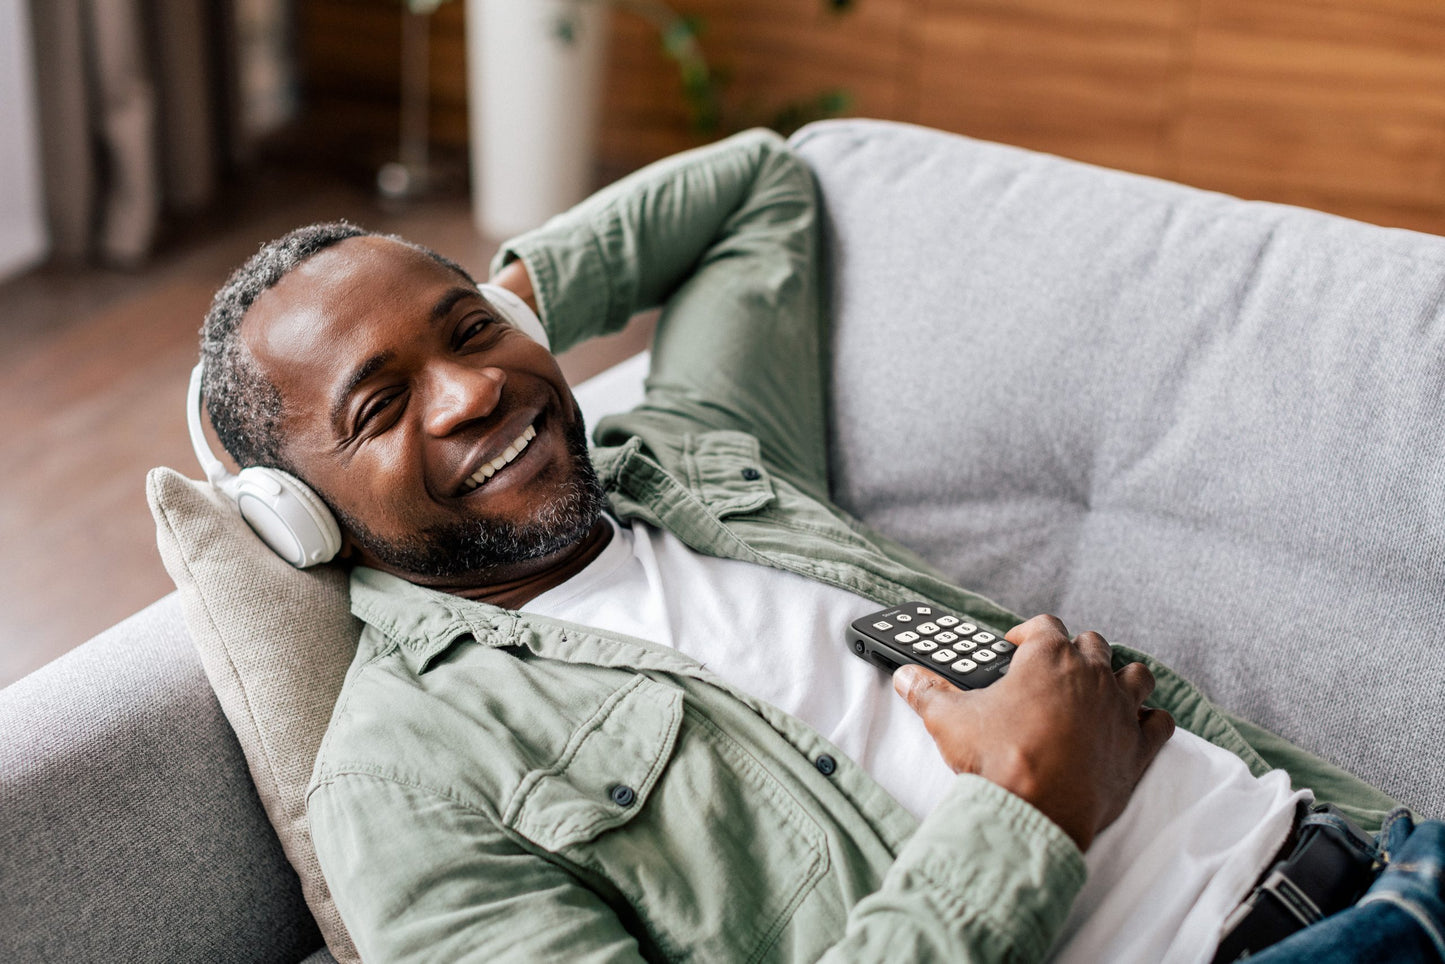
473,330
370,412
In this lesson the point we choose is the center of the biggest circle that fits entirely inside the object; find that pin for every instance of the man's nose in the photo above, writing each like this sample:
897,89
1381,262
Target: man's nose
459,394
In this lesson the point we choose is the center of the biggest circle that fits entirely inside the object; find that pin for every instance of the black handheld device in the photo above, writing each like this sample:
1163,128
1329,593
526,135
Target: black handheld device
967,654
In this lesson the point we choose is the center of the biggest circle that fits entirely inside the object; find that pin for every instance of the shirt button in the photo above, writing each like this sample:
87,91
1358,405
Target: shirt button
826,765
752,474
623,796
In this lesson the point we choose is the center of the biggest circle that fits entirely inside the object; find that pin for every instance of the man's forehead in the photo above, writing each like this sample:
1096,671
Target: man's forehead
350,274
344,294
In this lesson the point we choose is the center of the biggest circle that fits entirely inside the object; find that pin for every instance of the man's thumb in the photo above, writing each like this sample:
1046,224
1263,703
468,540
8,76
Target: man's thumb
916,684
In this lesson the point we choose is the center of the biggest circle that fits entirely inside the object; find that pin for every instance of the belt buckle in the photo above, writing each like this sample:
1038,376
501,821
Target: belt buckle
1290,896
1329,868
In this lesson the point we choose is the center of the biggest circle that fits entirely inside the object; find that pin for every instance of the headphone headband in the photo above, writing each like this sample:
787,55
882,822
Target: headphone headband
520,314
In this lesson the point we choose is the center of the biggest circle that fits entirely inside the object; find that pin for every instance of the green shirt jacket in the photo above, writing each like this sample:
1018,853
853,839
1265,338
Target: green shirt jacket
497,786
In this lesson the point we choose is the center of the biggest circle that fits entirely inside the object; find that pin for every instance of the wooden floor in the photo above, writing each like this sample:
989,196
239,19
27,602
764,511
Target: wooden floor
93,370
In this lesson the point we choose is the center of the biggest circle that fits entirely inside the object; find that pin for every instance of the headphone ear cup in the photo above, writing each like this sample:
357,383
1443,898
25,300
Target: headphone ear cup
287,515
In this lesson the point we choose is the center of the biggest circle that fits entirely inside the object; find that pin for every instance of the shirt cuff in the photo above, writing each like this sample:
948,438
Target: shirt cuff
576,298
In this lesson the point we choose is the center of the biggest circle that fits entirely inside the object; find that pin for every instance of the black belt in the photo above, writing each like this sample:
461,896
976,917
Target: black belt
1329,867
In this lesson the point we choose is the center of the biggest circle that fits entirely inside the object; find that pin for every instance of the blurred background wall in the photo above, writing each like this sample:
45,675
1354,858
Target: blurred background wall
1335,104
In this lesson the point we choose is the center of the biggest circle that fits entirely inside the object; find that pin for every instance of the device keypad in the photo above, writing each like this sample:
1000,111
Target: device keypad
966,653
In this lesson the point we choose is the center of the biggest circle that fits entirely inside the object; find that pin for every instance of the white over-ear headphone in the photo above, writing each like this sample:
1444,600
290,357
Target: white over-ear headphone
515,312
283,511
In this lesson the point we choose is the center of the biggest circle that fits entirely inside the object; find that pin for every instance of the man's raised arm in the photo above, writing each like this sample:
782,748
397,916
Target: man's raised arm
725,237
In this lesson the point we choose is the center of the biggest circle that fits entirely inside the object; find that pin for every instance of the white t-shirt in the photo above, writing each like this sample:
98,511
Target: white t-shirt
1196,834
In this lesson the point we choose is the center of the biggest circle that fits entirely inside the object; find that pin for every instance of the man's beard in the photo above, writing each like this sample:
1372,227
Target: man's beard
467,548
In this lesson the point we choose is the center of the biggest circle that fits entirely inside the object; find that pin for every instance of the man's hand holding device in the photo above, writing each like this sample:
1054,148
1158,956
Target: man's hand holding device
1062,729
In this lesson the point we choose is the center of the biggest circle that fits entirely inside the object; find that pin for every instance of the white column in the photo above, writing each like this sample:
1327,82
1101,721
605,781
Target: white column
534,92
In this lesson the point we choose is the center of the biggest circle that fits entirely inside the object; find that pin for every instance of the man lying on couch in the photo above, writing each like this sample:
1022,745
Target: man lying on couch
602,708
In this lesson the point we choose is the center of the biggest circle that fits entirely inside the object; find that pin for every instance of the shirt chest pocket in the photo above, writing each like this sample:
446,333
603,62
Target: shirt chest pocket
709,849
605,773
725,470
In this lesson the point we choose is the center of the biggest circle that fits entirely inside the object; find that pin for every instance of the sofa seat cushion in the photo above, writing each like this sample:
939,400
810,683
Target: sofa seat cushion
1205,427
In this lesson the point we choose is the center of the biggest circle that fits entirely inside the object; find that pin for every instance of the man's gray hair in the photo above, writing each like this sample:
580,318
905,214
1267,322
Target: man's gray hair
244,405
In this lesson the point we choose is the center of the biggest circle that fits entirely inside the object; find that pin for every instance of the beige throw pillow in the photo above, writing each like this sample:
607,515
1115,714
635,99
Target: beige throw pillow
275,642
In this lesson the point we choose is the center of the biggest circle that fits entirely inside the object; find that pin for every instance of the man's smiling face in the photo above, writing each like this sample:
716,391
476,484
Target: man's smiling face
401,389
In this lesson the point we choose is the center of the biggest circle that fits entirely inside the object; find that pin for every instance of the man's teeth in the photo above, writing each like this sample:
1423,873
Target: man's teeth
508,454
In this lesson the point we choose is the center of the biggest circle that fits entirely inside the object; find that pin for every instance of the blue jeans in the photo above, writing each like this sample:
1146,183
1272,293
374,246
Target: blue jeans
1400,919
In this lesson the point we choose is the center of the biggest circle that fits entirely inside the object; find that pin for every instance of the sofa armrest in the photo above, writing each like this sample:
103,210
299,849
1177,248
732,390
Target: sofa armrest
129,828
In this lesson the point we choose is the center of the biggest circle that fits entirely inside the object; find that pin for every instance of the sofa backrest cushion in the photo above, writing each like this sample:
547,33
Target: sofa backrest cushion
1207,428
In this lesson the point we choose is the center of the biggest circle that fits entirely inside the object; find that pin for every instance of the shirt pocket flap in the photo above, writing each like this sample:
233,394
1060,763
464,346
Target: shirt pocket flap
725,469
605,772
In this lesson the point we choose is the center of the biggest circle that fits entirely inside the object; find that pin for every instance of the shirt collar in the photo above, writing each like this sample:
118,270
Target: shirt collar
425,622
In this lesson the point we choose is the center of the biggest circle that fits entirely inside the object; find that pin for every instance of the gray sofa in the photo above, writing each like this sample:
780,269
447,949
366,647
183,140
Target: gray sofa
1207,428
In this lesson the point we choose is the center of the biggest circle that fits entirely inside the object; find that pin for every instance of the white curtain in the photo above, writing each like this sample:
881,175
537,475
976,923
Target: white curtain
132,97
22,228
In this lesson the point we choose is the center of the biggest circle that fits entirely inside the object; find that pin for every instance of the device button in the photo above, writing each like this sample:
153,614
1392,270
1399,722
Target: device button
985,656
928,629
947,620
944,655
904,618
946,637
924,610
905,637
984,637
965,646
1003,646
925,646
967,628
964,666
883,624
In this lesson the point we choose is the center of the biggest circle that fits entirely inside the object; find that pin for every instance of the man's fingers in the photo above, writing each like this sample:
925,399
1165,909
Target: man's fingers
1094,647
1157,726
1042,628
1136,680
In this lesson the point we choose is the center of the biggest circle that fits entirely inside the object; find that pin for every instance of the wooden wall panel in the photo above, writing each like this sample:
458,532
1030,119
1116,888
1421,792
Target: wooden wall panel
1337,104
350,52
1090,80
449,76
1313,100
770,52
644,115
